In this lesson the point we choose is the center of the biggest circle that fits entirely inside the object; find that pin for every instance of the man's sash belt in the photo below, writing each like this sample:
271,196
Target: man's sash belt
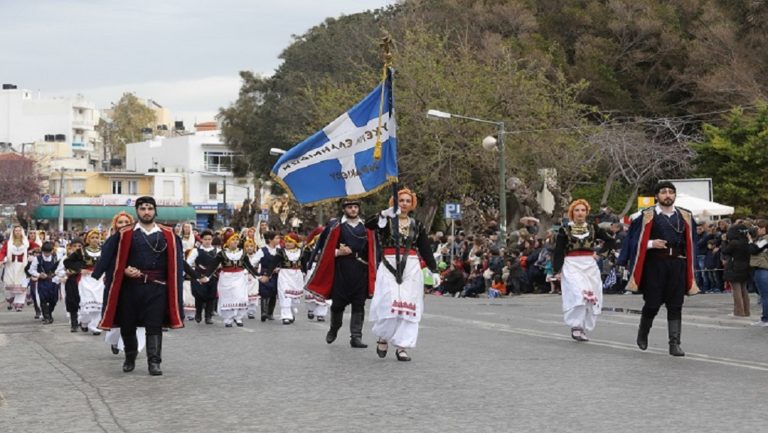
152,276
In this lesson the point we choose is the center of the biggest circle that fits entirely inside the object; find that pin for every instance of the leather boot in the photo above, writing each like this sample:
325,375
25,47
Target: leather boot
674,337
336,320
131,349
271,309
209,312
73,322
154,352
356,330
642,332
264,308
45,309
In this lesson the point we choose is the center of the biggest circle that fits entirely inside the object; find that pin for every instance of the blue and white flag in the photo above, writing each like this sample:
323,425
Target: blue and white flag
338,161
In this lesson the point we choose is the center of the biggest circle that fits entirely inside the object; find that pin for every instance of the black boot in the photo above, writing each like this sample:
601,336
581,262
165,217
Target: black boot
130,361
336,320
45,310
154,351
131,349
198,311
73,322
271,309
209,312
674,337
642,332
356,330
264,308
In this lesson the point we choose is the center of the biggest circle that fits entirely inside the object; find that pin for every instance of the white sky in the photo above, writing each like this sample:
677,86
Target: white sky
184,54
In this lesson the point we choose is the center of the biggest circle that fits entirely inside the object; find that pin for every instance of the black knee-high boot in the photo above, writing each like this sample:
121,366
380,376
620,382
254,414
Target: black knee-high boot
271,311
209,312
131,348
73,321
336,321
674,327
198,310
264,304
642,332
356,329
154,353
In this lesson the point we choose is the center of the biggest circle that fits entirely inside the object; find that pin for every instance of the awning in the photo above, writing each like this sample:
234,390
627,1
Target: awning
82,212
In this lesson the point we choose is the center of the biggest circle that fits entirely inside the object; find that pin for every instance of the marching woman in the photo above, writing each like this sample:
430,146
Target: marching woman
232,286
203,262
113,338
575,265
317,307
188,244
14,256
83,261
398,300
290,279
251,264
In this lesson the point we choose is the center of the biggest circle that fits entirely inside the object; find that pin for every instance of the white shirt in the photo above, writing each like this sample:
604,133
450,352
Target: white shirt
155,229
33,267
660,211
192,258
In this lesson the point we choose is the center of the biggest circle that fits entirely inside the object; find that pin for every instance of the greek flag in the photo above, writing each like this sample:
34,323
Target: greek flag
338,161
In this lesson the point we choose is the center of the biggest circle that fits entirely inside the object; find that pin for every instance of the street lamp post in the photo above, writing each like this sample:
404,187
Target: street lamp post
61,199
489,143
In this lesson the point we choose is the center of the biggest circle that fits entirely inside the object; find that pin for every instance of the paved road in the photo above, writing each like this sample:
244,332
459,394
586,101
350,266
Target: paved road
481,366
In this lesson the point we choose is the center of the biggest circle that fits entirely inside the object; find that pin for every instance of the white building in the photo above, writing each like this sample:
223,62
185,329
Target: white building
64,126
206,164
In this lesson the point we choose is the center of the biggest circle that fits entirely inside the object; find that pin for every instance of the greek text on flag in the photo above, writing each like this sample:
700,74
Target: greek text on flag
338,161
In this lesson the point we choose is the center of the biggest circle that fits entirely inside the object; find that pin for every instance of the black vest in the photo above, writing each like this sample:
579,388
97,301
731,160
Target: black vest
671,229
148,252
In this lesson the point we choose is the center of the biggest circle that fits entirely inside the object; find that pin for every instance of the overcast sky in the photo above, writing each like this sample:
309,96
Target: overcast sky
184,54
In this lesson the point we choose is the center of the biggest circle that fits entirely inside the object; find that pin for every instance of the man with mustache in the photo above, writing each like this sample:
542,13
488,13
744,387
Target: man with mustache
660,251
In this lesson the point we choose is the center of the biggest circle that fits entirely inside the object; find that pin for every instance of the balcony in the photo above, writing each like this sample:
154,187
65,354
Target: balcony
218,168
82,123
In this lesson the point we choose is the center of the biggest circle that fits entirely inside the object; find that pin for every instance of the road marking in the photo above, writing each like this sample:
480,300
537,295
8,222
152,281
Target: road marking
689,356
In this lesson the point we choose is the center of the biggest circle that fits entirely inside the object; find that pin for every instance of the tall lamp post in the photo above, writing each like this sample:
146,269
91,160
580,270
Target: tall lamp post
61,199
489,143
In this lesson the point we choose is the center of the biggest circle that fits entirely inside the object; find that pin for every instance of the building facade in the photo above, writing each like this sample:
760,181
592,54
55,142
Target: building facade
205,163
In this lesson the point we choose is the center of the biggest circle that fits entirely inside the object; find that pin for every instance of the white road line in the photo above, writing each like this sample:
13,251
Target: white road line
689,356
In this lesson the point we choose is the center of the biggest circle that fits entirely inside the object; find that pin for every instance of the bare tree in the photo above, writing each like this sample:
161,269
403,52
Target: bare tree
644,149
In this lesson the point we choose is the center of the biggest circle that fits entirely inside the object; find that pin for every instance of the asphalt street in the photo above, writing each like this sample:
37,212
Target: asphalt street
481,365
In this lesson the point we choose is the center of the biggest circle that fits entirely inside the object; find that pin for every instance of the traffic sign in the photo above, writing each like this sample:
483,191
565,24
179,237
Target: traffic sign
453,211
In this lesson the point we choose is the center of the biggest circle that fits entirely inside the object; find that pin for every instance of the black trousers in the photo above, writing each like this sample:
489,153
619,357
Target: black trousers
142,304
664,283
350,285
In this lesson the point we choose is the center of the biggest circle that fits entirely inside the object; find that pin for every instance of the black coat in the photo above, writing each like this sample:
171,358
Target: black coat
737,250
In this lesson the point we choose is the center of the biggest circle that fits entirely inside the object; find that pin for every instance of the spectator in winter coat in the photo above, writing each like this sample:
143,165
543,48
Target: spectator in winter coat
736,271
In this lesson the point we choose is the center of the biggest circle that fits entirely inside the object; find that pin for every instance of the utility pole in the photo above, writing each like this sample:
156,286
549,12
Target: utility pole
61,200
226,209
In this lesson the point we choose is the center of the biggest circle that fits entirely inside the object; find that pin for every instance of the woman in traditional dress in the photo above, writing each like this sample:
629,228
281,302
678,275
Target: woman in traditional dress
575,265
290,279
251,263
233,283
14,256
398,298
188,242
83,261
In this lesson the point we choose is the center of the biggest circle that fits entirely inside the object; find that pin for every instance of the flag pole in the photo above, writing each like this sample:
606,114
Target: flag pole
386,56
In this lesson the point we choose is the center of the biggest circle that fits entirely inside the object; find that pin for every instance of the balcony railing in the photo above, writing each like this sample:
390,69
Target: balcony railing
218,168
